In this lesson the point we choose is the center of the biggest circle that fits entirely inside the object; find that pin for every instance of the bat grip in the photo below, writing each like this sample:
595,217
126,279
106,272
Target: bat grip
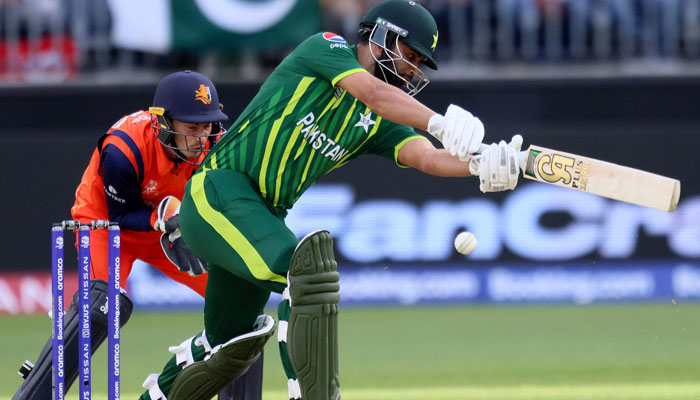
483,147
521,155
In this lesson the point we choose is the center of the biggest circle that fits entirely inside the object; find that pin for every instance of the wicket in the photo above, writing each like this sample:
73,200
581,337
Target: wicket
57,289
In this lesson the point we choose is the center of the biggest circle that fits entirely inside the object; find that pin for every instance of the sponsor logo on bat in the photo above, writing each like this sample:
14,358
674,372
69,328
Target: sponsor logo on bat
558,169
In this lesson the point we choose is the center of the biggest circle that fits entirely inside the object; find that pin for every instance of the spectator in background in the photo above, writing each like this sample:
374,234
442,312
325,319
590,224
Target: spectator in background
465,28
578,28
552,20
624,18
661,21
600,17
517,19
442,11
691,28
455,20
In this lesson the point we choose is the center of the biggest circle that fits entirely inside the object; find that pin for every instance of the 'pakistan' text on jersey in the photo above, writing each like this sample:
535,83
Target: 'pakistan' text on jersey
300,126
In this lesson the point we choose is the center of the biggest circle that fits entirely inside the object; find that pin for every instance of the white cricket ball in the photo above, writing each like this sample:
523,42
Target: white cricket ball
465,242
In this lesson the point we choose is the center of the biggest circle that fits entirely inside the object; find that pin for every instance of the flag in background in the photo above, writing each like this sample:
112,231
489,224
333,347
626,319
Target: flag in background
162,26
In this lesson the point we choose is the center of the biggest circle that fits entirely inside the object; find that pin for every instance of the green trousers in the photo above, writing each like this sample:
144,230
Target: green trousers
248,248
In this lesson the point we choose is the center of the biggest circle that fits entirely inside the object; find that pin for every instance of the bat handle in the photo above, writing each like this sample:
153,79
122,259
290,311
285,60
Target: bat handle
521,155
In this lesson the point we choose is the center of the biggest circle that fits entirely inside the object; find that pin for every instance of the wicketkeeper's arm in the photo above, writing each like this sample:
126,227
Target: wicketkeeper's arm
123,191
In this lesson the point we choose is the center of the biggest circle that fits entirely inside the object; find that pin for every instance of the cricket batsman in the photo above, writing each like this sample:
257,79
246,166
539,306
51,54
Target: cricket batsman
326,104
136,177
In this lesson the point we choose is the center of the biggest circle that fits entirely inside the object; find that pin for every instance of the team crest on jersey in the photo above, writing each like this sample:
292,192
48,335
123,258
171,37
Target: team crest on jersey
365,121
203,94
151,188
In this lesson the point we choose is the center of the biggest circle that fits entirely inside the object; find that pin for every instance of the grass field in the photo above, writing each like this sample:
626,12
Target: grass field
466,353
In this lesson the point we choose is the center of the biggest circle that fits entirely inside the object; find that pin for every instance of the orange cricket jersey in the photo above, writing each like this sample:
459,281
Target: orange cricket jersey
159,176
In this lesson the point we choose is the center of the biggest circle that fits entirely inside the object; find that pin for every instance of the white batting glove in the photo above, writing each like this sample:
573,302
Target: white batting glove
459,131
498,167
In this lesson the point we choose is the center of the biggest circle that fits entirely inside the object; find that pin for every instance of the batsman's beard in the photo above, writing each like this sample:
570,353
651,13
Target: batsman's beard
384,72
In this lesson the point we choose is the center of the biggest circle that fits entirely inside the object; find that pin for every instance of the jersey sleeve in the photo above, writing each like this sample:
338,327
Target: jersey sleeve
325,55
123,190
391,139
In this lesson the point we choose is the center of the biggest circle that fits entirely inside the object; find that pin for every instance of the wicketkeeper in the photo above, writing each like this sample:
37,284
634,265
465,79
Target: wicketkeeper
326,104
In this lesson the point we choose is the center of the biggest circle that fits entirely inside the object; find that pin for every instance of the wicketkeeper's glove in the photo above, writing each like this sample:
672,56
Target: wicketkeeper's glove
174,247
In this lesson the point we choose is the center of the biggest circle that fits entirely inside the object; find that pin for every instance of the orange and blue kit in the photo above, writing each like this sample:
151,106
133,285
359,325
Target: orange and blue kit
129,173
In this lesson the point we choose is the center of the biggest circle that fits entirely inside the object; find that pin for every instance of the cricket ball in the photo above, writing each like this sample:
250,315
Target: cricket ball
465,242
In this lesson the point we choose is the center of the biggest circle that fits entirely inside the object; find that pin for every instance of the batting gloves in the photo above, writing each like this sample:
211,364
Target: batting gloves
498,166
458,130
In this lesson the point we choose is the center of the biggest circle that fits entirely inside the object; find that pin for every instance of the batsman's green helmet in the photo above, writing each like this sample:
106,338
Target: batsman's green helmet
411,21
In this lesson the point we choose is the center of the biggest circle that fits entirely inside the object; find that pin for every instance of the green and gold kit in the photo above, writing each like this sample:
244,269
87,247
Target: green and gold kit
300,126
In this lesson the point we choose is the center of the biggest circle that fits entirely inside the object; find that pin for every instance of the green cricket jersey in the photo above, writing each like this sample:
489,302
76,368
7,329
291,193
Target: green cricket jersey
300,126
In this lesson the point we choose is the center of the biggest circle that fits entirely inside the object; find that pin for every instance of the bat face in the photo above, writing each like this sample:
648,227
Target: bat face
601,178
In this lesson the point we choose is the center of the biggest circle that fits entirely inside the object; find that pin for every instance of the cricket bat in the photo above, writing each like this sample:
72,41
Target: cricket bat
601,178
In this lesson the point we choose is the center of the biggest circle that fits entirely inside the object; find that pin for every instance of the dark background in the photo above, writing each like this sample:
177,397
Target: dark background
48,134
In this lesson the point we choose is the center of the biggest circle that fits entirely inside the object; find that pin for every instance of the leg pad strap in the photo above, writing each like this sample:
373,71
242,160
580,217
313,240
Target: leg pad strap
204,379
151,384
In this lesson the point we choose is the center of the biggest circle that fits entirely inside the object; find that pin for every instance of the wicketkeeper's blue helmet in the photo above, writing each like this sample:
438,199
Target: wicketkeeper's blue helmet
185,96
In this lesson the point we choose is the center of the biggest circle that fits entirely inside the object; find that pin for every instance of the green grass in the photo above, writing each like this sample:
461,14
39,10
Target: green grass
467,353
